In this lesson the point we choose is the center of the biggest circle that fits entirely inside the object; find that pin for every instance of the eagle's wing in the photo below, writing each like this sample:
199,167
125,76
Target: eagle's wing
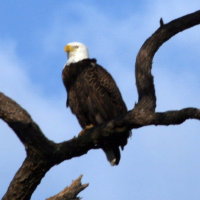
109,103
109,86
107,93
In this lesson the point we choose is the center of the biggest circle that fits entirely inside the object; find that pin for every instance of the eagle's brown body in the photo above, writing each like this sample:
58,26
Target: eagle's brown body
94,98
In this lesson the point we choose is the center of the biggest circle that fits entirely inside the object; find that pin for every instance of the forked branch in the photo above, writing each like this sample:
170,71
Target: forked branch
71,192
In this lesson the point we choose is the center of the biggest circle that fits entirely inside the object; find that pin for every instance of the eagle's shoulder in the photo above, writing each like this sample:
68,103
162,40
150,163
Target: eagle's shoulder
78,69
102,83
88,61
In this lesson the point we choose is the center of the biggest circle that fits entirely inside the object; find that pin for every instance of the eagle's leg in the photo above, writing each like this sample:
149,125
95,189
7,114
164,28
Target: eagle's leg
87,127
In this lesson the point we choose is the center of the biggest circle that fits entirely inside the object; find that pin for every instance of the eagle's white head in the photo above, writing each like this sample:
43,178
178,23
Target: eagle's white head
76,52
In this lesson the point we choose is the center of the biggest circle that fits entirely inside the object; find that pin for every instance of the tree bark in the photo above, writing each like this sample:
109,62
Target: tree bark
71,192
27,179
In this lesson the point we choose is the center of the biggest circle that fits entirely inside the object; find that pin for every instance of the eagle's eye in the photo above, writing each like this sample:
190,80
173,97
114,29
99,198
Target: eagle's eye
76,46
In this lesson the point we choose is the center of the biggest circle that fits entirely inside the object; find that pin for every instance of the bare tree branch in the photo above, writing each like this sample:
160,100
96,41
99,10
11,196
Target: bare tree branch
144,78
42,153
176,117
26,179
22,124
71,192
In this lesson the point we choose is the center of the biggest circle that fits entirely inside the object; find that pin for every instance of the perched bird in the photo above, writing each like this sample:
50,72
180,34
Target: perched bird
93,95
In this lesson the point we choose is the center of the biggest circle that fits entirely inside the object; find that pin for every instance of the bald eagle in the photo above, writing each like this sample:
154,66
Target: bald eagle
93,95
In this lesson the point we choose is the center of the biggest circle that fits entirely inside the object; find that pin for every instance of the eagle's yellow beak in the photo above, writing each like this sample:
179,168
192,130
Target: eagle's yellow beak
68,48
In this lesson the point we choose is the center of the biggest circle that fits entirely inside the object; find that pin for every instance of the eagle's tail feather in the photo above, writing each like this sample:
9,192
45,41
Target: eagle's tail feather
112,154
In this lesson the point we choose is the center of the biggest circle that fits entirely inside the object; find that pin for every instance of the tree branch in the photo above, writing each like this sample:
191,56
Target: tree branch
144,78
27,178
176,117
71,192
24,127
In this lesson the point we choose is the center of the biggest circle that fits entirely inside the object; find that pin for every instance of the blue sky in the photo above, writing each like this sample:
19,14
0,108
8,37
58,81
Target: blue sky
158,162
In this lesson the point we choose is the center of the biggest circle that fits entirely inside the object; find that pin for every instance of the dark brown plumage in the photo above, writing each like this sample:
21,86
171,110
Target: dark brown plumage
94,98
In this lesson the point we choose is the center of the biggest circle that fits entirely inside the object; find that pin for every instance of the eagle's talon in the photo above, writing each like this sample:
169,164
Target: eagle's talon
87,127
